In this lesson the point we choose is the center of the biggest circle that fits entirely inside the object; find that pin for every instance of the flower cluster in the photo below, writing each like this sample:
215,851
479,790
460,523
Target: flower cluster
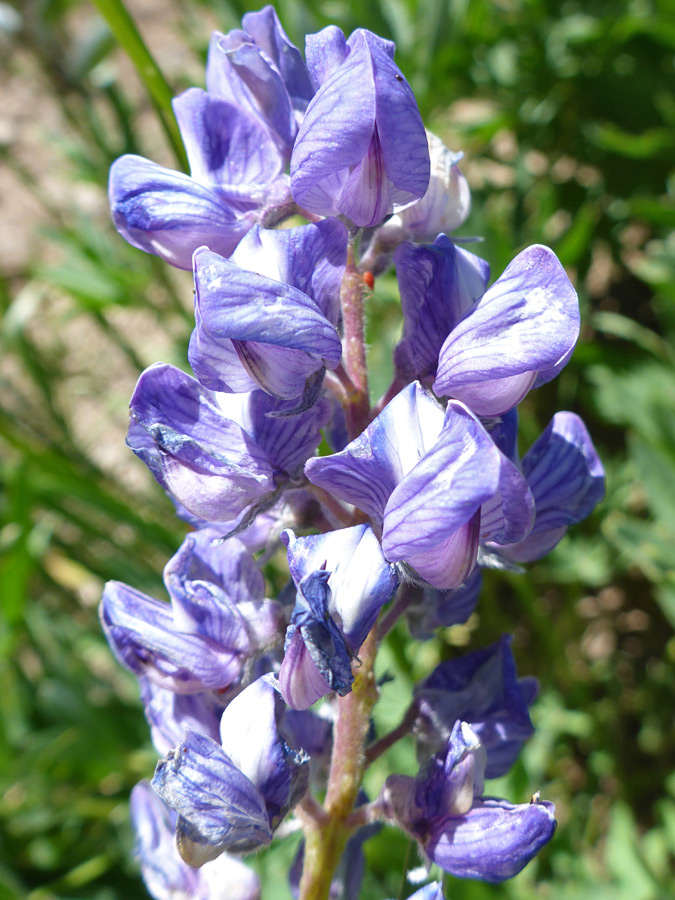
273,448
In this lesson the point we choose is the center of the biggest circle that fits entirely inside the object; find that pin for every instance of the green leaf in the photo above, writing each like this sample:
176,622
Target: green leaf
128,37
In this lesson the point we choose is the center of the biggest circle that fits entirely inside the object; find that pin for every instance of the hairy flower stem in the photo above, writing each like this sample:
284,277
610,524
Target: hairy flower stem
352,294
324,845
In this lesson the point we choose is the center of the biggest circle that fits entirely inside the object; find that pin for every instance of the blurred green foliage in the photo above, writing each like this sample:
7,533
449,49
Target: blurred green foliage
566,114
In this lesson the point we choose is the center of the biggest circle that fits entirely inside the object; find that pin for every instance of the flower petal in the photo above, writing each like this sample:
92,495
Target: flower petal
227,149
567,481
444,490
278,332
438,284
527,322
218,806
207,461
143,636
493,841
170,214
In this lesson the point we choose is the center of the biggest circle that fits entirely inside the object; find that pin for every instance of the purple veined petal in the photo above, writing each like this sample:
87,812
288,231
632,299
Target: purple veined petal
455,777
567,481
219,808
493,397
277,331
207,576
204,608
209,359
508,515
380,162
165,874
504,432
402,136
142,635
447,202
325,52
229,565
288,441
483,689
300,681
311,258
438,284
227,149
448,564
241,72
267,32
444,490
344,105
170,214
250,737
361,581
367,471
443,609
527,322
170,714
207,461
368,194
494,841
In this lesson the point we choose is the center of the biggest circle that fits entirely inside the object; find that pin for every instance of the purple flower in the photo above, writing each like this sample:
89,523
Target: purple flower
259,70
343,581
217,453
236,173
217,619
361,150
481,688
464,833
439,283
423,477
165,874
443,208
267,318
519,335
567,481
170,715
232,795
431,608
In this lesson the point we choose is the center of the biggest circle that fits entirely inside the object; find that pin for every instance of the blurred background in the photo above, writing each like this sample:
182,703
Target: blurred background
565,112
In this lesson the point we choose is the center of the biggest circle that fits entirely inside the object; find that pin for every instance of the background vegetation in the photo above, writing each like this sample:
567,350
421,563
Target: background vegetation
566,114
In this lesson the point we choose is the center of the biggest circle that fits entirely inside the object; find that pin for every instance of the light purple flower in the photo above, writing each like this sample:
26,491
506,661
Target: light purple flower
481,688
165,874
236,174
259,70
519,335
361,150
267,318
439,283
443,208
217,620
422,476
464,833
218,453
232,795
170,715
567,481
343,581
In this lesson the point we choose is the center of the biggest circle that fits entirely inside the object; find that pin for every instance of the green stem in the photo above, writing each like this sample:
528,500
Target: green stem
325,843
